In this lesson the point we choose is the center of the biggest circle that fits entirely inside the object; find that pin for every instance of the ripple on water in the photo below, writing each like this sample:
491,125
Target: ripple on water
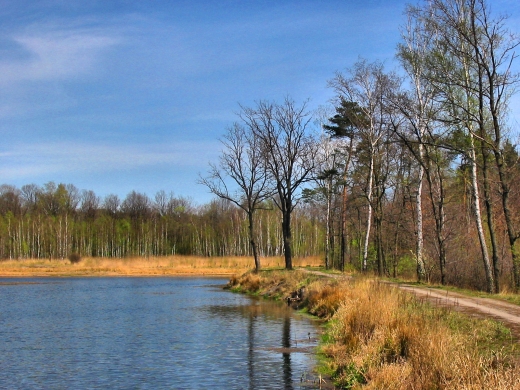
147,333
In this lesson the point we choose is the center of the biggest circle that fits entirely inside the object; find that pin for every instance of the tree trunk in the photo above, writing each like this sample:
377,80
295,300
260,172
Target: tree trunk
504,185
328,222
287,238
253,241
489,216
421,272
437,198
381,263
478,219
344,198
511,235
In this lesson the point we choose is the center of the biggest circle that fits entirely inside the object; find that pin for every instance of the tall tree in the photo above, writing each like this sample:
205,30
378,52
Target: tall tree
289,155
411,54
365,86
242,161
343,125
330,172
491,47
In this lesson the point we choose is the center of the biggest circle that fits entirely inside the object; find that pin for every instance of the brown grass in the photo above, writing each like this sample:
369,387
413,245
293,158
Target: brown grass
276,284
141,266
382,338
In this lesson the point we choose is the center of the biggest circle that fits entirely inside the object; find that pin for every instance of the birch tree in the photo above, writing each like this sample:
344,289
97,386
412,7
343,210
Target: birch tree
470,69
491,48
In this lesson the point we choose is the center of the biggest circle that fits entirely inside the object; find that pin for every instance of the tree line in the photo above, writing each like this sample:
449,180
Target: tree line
57,220
415,167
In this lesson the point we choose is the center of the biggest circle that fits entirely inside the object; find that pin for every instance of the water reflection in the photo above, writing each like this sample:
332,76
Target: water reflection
250,353
276,332
286,343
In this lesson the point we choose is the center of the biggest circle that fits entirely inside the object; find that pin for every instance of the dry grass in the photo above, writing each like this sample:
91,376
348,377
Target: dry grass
135,266
276,284
324,299
382,338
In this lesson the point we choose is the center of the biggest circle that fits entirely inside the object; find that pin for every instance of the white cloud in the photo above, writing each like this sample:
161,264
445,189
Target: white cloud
54,54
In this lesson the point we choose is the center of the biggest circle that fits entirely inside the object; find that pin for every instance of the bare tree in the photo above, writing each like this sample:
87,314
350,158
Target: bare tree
180,205
411,53
111,204
10,200
162,201
89,203
492,48
29,193
73,197
289,154
136,205
241,160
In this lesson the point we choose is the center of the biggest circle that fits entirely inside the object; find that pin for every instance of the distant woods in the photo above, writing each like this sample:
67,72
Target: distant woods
57,220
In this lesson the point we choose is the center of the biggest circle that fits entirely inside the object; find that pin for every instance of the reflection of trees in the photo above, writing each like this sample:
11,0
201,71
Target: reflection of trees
270,310
286,356
250,353
286,343
257,313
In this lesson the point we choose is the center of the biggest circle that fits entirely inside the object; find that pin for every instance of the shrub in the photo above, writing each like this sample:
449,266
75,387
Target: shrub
74,258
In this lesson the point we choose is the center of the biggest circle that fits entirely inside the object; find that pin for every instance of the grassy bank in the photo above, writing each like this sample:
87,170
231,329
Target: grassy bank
379,337
141,266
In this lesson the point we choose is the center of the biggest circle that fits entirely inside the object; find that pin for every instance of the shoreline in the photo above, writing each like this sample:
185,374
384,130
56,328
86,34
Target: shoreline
143,275
115,274
160,266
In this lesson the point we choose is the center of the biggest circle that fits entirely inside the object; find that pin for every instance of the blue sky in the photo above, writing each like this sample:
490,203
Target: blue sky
123,95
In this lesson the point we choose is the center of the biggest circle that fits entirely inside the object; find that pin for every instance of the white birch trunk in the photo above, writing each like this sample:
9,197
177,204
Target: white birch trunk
478,218
419,217
369,216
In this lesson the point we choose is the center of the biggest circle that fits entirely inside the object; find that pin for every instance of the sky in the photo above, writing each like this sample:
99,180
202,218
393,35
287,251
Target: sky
117,96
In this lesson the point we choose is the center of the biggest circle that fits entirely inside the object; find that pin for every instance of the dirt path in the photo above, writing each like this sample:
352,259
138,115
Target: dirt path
507,313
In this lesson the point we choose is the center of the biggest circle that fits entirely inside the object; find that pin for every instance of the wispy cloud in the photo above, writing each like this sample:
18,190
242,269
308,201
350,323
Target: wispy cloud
53,54
32,160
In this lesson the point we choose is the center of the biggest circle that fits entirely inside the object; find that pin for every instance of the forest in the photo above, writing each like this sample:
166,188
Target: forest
411,172
57,220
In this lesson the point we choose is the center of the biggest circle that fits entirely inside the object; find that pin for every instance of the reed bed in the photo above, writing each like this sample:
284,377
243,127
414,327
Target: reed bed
145,266
379,337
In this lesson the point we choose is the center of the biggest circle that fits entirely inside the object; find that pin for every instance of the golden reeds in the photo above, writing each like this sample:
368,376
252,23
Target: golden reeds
142,266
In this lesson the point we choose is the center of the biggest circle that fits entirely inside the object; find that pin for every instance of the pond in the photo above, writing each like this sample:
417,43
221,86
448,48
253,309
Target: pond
148,333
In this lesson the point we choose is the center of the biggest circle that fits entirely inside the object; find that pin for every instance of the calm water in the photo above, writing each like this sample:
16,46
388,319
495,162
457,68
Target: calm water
147,333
